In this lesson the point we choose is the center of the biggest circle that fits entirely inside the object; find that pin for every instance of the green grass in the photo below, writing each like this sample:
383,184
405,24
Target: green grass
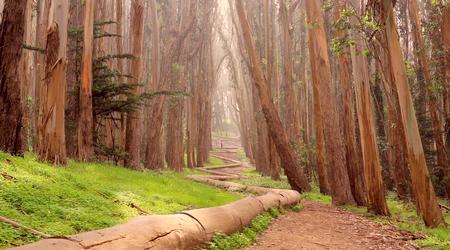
252,178
214,161
82,197
404,216
248,236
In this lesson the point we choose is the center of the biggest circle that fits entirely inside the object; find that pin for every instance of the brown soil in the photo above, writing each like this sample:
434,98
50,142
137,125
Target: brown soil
320,226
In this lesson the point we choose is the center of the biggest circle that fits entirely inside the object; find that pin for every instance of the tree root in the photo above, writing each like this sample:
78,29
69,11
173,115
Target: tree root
141,211
17,225
442,206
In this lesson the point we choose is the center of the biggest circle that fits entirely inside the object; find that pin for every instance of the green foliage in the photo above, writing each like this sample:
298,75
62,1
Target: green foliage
305,152
318,197
338,44
327,5
298,208
83,197
247,237
113,92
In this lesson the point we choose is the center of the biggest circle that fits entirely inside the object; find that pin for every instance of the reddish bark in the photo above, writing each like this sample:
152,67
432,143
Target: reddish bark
11,110
337,174
294,172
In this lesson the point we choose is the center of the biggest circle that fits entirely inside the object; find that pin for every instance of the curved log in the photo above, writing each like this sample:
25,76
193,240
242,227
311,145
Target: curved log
185,230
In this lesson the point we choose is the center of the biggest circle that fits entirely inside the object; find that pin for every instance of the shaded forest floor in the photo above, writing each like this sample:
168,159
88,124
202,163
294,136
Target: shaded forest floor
319,225
322,226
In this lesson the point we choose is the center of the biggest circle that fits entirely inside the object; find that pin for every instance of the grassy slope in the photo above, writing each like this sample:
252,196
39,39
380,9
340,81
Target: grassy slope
83,197
403,215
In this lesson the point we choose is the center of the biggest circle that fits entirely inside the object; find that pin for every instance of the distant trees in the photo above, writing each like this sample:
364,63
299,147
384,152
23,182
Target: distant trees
295,174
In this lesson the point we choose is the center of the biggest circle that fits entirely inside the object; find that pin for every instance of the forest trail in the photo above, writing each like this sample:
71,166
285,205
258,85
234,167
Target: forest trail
320,226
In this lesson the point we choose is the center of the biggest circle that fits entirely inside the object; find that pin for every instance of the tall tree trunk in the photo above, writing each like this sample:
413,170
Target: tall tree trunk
376,201
134,118
322,166
52,144
85,122
41,42
446,42
76,19
294,172
26,74
120,65
288,81
337,174
153,156
423,189
354,166
11,110
424,65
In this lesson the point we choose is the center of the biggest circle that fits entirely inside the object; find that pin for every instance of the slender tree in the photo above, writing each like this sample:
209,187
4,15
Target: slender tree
353,161
133,138
424,65
288,69
85,122
321,71
424,194
294,172
376,201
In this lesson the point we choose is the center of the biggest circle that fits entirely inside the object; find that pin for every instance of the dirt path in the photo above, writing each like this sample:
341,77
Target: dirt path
320,226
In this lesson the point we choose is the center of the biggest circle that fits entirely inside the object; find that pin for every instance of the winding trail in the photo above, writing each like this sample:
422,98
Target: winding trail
320,226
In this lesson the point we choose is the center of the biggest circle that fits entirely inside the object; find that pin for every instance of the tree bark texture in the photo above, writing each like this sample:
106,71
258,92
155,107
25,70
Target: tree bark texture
294,172
11,110
335,154
423,189
85,120
52,144
134,118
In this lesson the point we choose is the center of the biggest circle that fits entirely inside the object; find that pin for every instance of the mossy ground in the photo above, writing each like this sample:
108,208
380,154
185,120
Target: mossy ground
403,214
87,196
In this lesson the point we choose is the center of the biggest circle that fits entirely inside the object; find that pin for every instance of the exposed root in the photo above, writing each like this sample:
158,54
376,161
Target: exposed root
18,225
141,211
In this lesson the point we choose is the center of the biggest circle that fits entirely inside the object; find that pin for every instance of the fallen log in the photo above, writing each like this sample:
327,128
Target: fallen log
234,165
226,159
185,230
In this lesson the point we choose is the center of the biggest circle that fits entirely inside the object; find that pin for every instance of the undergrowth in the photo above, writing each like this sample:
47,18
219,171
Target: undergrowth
404,216
88,196
246,237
